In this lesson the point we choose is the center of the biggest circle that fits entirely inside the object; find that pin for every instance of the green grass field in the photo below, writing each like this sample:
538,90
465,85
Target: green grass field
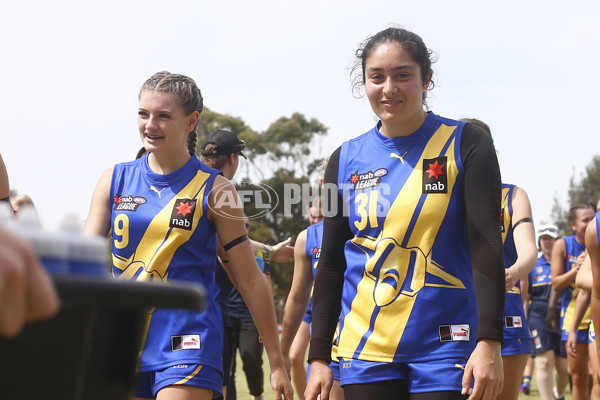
242,386
244,394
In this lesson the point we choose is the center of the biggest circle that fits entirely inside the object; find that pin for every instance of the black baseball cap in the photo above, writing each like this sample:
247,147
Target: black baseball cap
227,142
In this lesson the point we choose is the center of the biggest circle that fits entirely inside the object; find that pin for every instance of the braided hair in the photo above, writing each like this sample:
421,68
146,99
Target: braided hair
185,91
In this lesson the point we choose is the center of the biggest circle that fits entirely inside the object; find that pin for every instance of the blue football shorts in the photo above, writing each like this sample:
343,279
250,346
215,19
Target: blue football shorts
150,382
512,347
582,336
422,377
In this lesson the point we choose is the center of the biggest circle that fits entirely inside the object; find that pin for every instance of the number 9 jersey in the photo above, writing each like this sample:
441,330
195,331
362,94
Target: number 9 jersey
161,232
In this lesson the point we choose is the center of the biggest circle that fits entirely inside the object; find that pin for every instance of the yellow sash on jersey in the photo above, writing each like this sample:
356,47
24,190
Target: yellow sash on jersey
155,250
373,295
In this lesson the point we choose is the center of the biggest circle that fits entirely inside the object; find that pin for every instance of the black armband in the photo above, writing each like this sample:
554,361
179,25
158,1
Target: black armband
522,221
235,242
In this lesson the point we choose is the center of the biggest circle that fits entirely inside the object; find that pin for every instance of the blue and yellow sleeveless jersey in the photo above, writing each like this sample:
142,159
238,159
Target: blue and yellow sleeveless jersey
515,323
161,232
567,298
408,289
540,282
314,237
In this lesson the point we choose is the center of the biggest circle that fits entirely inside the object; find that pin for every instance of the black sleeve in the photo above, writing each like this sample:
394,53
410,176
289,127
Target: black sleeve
329,279
482,193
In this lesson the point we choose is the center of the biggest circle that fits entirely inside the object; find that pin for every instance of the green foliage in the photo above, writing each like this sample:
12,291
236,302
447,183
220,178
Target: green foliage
210,121
283,226
585,190
559,217
286,153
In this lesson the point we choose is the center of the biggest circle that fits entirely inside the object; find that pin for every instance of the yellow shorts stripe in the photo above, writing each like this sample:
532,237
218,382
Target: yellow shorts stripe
190,376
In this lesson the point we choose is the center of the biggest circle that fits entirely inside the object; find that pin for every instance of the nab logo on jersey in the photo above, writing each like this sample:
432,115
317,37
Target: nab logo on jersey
316,252
435,178
128,203
368,179
183,214
502,220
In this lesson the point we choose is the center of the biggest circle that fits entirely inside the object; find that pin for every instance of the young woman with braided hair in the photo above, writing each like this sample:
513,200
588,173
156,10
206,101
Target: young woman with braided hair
165,216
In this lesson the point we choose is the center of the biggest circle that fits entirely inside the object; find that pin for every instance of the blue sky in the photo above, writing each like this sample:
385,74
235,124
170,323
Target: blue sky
72,71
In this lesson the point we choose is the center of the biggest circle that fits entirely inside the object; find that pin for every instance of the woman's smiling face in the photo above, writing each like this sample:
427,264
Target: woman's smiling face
395,89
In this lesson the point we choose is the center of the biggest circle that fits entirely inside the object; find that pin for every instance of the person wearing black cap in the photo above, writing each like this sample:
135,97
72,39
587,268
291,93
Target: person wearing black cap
225,143
221,150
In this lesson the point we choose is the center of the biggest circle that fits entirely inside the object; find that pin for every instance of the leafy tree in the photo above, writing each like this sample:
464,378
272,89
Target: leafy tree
585,190
211,121
287,153
290,142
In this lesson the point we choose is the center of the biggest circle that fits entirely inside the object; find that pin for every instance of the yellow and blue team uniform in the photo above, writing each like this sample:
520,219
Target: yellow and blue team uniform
540,288
567,299
161,232
517,339
592,331
408,303
314,238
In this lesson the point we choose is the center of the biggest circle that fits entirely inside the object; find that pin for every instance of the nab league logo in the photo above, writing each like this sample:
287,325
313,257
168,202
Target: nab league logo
128,203
502,220
367,180
316,252
183,214
435,178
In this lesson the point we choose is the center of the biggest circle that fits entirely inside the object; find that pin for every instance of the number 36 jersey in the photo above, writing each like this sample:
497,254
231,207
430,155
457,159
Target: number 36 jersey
408,288
161,232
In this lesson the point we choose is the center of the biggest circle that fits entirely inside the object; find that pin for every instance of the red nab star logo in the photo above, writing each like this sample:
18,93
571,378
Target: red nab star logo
435,170
184,208
182,214
117,199
353,178
315,250
435,175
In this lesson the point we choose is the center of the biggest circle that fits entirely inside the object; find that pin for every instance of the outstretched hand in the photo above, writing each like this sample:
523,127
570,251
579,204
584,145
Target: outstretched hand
283,252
